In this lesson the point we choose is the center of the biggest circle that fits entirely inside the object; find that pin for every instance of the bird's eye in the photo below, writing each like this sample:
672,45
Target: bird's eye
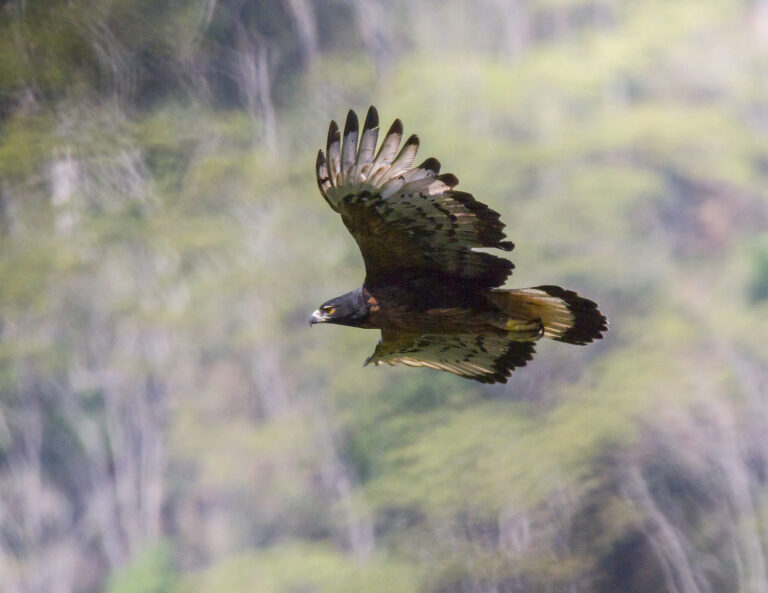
329,310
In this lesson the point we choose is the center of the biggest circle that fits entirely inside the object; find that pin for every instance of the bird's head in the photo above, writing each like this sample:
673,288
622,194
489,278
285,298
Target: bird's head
348,309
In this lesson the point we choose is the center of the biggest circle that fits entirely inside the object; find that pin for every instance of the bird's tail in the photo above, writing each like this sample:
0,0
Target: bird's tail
566,316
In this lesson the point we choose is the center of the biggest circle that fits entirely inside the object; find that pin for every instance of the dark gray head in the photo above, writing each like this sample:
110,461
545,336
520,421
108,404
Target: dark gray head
348,309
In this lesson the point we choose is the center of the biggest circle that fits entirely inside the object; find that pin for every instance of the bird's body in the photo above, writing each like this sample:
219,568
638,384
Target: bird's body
435,299
436,307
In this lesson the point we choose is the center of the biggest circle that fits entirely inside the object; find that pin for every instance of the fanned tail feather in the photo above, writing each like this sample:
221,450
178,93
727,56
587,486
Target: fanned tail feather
566,316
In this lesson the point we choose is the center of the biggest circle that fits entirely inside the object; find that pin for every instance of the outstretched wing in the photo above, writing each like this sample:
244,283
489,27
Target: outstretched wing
408,221
488,359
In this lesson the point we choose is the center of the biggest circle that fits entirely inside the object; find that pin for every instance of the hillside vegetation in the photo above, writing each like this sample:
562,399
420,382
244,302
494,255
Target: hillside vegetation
169,424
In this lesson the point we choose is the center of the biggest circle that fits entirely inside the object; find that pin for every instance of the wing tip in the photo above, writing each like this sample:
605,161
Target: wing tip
352,125
323,178
320,162
430,164
333,132
413,140
371,119
449,179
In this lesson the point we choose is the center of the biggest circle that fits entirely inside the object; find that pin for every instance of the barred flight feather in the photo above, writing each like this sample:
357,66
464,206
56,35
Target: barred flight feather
488,359
398,213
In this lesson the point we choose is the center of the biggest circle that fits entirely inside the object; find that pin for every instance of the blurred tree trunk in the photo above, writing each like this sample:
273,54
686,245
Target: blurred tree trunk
337,477
375,30
252,65
303,14
514,21
5,215
668,544
65,177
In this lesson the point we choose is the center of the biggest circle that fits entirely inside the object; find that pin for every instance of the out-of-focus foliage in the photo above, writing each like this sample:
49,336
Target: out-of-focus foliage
167,421
151,571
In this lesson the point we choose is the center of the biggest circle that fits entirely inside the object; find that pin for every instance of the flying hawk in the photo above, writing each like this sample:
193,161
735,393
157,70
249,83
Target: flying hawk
435,299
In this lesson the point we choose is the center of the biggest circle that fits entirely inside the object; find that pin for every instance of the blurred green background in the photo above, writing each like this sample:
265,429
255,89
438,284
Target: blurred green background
168,423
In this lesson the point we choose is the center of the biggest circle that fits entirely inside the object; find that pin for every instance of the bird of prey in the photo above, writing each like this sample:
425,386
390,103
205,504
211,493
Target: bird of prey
436,300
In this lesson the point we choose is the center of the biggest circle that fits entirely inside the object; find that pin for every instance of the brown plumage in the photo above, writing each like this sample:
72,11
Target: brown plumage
435,299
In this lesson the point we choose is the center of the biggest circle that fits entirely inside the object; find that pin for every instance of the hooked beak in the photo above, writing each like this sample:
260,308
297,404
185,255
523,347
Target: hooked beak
316,317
